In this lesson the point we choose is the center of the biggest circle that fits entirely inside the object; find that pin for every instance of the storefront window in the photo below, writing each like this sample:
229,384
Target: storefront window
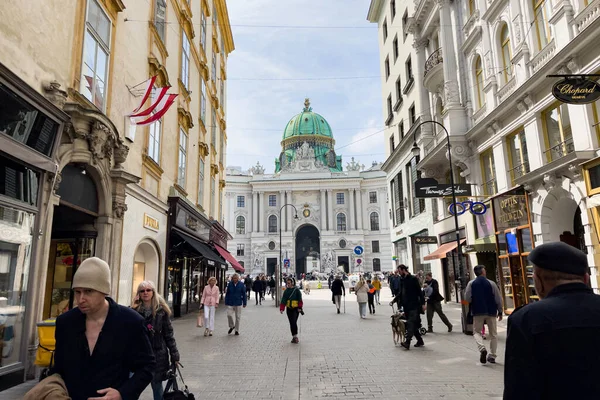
531,292
401,250
484,223
502,245
508,292
18,182
25,124
15,253
526,244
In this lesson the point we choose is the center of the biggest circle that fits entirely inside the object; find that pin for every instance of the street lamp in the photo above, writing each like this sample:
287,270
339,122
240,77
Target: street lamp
461,269
278,273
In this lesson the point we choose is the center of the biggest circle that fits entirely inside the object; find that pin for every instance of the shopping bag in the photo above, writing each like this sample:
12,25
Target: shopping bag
172,391
200,322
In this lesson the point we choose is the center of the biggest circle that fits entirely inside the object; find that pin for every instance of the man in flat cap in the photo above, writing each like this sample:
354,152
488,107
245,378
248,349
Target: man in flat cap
551,344
102,349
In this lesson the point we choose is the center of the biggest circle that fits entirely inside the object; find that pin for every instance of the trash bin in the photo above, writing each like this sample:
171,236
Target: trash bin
44,355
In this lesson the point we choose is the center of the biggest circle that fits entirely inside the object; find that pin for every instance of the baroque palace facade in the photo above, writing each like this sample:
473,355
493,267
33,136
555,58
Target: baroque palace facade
76,181
336,209
482,70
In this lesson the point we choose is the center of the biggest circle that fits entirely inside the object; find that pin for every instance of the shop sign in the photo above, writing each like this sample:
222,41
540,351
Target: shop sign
429,188
150,223
425,239
510,211
210,262
576,90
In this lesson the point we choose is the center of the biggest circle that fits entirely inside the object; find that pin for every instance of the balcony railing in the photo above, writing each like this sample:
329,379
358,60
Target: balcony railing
519,170
434,59
560,150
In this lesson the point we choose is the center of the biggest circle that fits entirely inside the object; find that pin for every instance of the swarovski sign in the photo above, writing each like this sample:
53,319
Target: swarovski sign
429,188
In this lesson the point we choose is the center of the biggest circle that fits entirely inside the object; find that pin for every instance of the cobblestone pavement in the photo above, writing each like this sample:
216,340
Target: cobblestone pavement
339,357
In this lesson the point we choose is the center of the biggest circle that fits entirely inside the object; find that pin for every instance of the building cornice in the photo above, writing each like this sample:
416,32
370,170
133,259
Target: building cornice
375,10
142,195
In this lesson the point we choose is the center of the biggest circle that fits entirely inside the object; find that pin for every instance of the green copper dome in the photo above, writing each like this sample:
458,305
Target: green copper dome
307,123
308,144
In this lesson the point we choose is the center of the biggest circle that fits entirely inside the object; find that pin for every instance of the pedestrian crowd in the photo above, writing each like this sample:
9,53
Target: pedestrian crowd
108,351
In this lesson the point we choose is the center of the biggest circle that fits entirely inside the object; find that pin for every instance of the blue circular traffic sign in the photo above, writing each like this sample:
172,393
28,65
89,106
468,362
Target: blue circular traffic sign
358,250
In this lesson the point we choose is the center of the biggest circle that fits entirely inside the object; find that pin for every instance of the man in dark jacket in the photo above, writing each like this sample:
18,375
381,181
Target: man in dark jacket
434,302
235,300
257,288
549,345
395,280
486,305
100,343
337,290
412,300
248,284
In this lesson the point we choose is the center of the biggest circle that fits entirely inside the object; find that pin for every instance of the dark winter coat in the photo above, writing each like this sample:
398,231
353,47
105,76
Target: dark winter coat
436,296
236,294
272,283
484,297
550,347
338,288
163,343
122,348
257,286
248,283
395,282
410,295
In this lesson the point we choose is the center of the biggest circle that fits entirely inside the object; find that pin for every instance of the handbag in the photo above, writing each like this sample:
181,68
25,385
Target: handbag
200,322
172,391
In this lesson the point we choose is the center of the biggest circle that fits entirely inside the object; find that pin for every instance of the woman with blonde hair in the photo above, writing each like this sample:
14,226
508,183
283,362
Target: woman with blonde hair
210,301
362,296
157,313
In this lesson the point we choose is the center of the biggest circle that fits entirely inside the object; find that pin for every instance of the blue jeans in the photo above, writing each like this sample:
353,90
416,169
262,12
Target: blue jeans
157,389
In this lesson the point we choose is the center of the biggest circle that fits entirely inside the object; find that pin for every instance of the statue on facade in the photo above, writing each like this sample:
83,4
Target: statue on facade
258,169
354,166
305,152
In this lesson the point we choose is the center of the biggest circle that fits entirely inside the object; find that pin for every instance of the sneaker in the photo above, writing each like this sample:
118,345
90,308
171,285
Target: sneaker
420,343
209,333
229,331
482,356
429,330
491,360
292,341
206,332
237,333
406,345
338,310
450,329
295,340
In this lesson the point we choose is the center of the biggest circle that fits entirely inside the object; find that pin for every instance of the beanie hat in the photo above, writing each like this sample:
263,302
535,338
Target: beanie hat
93,273
560,257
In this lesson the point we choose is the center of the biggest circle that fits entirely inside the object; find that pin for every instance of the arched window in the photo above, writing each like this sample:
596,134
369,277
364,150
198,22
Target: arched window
471,7
240,225
479,83
506,53
376,264
341,222
374,221
272,224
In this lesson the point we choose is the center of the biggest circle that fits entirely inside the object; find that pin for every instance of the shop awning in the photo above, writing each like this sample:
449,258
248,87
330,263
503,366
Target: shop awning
442,250
227,255
202,248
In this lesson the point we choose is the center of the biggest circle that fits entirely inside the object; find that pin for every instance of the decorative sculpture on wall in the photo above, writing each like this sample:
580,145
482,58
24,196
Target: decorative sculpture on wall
257,169
354,166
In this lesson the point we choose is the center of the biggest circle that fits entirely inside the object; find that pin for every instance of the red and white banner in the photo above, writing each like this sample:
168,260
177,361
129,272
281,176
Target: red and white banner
159,106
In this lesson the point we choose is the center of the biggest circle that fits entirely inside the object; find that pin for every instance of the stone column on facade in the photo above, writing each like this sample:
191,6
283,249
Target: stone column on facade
500,167
254,212
322,206
424,107
577,112
359,209
284,212
330,209
535,148
383,216
261,210
351,210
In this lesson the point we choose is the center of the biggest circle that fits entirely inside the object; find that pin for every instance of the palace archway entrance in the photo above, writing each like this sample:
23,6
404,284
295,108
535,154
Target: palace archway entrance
308,249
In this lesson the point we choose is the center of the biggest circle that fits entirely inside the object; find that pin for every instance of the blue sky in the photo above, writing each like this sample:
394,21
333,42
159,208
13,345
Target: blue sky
258,111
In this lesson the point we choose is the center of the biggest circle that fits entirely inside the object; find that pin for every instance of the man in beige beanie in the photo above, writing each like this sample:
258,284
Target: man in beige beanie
98,343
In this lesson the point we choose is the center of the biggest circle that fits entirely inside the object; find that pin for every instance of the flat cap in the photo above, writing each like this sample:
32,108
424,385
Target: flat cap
560,257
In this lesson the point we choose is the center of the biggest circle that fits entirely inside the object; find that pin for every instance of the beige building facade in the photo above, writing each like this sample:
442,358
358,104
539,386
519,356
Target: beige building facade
76,181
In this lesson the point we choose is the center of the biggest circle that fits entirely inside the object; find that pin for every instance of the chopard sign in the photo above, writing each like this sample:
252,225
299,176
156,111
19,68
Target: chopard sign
429,188
576,90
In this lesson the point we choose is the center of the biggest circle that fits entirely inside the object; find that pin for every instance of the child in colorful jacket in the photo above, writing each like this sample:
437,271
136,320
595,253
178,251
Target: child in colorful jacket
291,301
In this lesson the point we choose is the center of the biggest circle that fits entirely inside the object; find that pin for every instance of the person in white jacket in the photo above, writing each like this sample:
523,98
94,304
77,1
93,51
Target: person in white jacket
362,296
210,301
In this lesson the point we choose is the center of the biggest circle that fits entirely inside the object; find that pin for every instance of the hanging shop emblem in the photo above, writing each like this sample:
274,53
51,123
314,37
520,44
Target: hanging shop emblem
425,239
576,90
476,208
429,188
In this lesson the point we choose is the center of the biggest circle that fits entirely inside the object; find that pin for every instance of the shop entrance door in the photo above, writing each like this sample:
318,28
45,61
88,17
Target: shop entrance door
271,263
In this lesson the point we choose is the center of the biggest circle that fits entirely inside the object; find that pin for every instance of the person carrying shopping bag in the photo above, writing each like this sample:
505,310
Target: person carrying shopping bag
362,296
157,314
291,302
210,301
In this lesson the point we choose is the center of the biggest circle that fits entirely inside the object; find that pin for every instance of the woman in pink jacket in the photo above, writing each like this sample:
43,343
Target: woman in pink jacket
210,301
